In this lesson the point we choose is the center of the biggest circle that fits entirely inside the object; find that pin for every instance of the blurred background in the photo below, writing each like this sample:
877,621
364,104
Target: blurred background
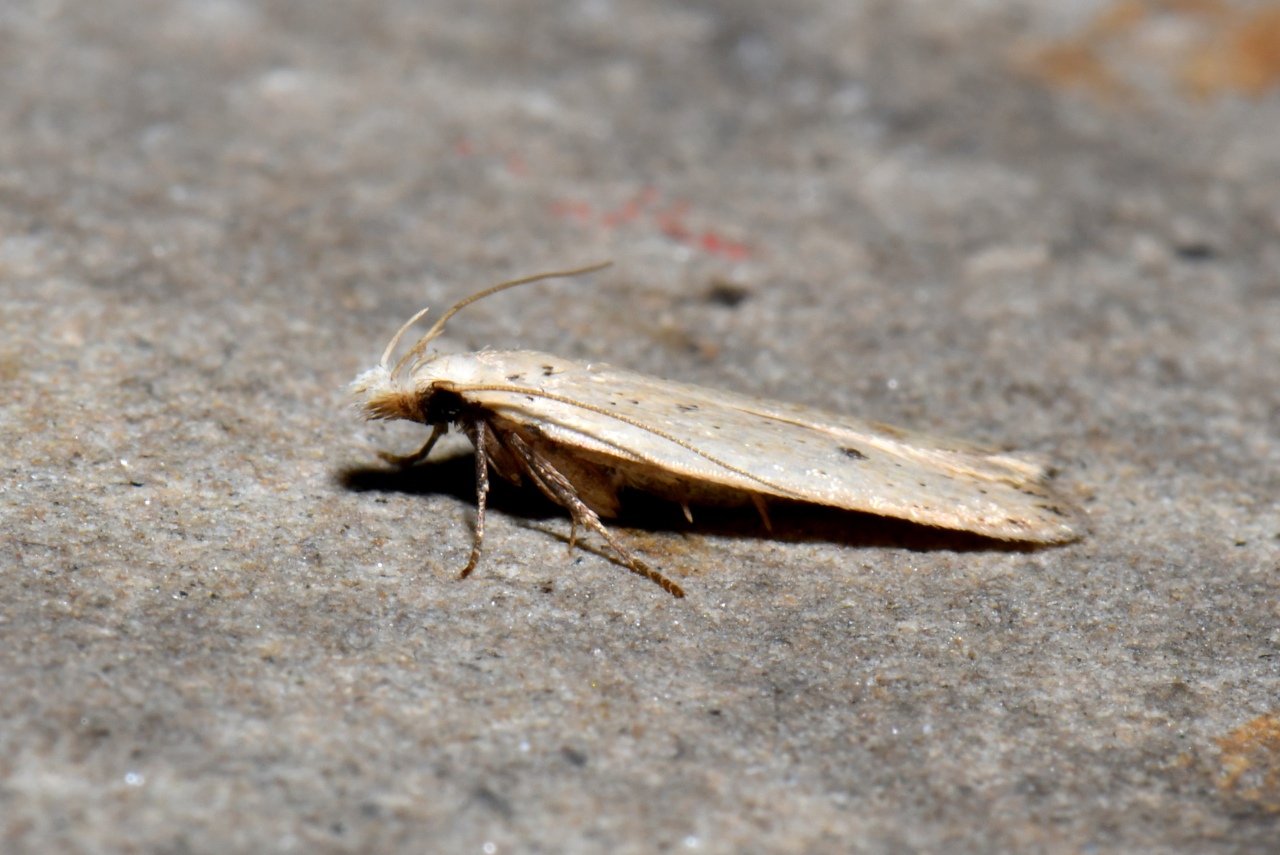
1048,227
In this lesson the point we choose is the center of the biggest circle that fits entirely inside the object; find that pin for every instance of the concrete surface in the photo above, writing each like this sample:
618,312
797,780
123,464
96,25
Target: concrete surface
227,628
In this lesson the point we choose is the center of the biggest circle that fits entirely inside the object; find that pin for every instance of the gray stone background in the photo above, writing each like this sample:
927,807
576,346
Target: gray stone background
227,627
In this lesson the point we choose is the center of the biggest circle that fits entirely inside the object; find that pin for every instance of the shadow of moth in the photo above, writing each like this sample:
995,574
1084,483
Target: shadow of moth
581,433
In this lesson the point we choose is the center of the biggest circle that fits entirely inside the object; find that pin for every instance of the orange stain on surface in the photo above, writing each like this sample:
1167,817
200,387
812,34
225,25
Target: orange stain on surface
1223,49
1075,65
1242,57
1251,764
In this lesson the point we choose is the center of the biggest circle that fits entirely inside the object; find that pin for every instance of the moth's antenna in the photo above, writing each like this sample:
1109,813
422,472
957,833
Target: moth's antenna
421,346
395,339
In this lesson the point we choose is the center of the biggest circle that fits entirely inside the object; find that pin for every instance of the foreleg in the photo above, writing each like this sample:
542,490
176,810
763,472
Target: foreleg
404,461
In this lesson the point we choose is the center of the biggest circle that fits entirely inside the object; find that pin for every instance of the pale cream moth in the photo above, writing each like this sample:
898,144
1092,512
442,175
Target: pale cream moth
583,432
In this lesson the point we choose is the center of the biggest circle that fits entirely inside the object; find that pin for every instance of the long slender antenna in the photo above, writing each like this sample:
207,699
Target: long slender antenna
421,346
395,339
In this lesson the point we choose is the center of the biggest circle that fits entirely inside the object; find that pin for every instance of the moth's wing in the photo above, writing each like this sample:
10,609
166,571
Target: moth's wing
774,448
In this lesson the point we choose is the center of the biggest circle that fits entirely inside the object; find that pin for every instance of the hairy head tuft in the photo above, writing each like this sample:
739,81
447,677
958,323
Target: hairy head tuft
380,396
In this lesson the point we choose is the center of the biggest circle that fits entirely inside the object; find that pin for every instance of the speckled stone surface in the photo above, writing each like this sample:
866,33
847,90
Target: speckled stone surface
227,627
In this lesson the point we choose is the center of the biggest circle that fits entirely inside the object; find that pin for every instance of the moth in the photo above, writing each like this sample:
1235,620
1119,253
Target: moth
581,433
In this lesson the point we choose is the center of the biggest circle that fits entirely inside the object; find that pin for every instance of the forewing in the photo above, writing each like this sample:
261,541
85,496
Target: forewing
773,448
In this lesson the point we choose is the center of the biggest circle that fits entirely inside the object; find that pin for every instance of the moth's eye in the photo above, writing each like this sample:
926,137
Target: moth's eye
441,405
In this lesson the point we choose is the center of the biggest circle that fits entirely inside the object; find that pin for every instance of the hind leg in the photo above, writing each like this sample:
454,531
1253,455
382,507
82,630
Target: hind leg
562,492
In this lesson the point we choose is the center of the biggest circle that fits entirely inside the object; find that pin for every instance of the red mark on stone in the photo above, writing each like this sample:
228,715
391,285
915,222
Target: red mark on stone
671,220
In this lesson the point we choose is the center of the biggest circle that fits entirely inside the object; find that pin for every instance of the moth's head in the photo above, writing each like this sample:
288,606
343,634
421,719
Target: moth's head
408,390
381,395
388,392
425,390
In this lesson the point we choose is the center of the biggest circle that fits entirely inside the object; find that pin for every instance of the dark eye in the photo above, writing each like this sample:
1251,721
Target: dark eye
441,405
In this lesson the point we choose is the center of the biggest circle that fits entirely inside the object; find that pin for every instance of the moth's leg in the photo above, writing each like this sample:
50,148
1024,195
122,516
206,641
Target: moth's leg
758,501
559,490
688,514
404,461
478,430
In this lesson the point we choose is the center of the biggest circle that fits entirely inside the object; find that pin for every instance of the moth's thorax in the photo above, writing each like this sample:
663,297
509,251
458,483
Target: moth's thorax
463,369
